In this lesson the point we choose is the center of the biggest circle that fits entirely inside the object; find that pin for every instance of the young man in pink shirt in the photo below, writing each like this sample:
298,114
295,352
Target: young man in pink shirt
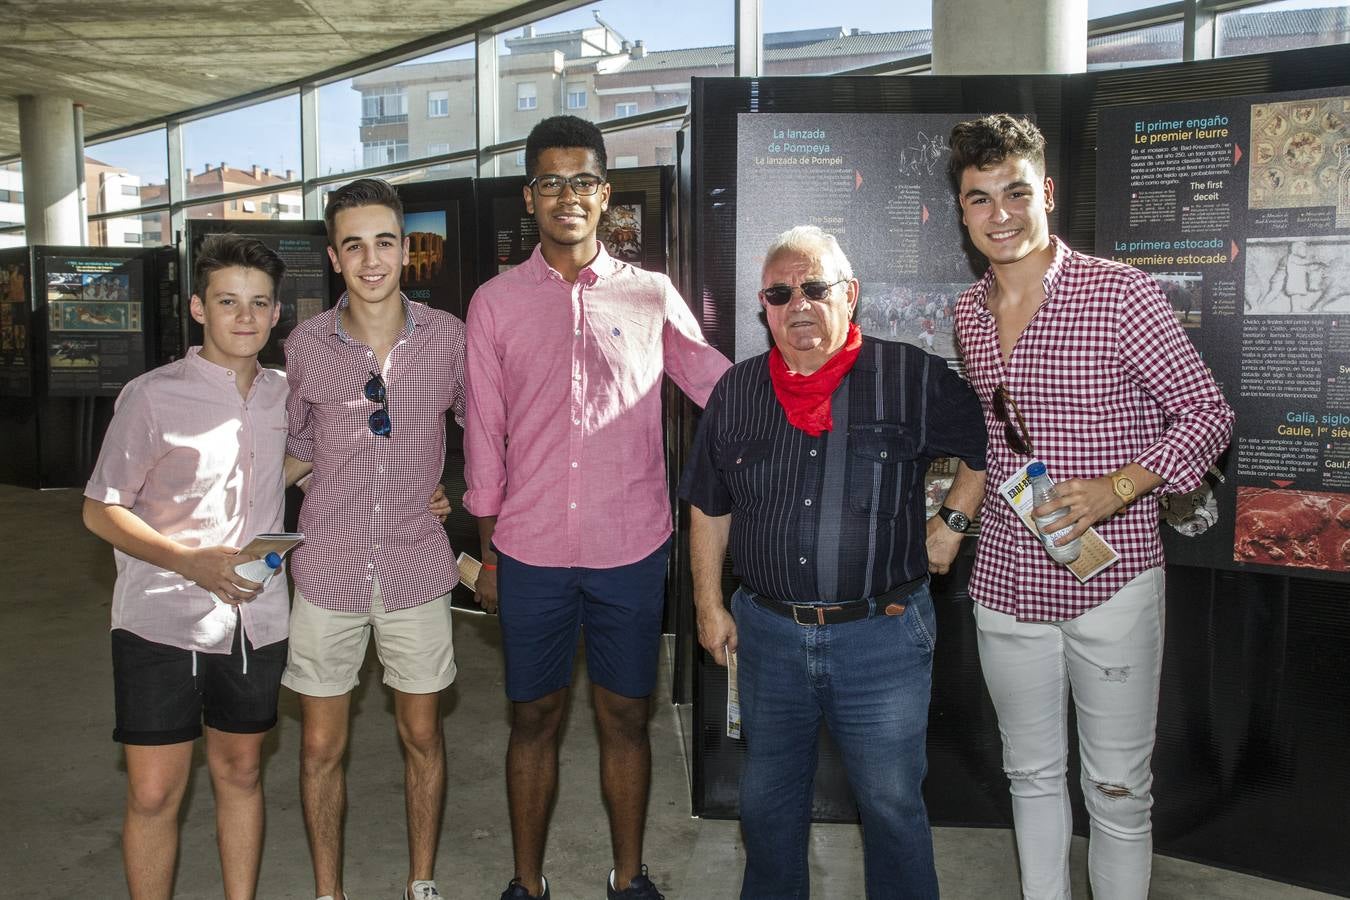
191,469
566,355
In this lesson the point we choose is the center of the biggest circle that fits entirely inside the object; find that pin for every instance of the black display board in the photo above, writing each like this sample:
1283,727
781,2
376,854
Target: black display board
90,305
1240,208
16,329
170,332
439,220
1250,731
308,288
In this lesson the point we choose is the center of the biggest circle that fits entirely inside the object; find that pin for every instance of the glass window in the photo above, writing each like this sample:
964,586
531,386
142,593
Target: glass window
389,115
383,153
285,204
526,95
624,162
648,145
127,173
1137,47
132,237
11,200
802,37
1287,25
601,61
262,142
148,230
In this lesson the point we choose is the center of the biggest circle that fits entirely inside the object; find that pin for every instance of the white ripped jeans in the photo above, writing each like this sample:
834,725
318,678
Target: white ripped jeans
1110,660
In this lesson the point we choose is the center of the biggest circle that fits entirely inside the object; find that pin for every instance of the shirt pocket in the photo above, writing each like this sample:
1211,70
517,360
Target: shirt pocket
741,465
881,461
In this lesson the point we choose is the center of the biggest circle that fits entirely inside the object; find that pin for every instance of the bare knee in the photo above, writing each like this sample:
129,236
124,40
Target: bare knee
154,797
538,720
622,718
241,771
422,738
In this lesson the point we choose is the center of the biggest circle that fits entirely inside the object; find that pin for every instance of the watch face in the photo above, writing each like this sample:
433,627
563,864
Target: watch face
957,521
1124,486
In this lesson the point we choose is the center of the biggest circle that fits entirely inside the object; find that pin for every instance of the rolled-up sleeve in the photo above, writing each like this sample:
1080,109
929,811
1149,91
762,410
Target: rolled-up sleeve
953,425
701,484
484,414
128,450
1198,422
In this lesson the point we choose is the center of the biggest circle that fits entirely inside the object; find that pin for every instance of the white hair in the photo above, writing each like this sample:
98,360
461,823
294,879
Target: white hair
810,240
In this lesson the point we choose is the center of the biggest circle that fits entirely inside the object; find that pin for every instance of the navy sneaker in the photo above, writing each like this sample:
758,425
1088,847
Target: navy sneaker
517,891
640,888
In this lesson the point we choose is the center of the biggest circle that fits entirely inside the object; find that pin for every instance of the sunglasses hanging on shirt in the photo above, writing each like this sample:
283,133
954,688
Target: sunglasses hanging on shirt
1014,426
376,393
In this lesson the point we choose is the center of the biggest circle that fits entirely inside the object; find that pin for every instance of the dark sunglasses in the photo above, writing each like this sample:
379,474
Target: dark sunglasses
780,294
1014,426
379,420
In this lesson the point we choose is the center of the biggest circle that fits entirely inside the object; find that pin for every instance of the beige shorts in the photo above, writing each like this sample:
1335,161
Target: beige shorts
327,648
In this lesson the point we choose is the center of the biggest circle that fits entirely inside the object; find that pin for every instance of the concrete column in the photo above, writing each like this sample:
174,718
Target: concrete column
1009,37
47,145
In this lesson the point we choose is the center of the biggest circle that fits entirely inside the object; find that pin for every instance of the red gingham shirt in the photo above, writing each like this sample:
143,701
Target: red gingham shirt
1104,376
365,514
563,442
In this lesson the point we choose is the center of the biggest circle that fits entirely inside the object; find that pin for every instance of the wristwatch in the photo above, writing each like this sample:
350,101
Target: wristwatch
956,520
1123,485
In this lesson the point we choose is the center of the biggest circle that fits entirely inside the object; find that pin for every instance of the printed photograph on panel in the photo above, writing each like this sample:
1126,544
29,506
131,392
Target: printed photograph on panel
1307,529
426,246
1183,290
919,314
106,288
64,285
621,232
73,353
1297,276
67,315
1298,153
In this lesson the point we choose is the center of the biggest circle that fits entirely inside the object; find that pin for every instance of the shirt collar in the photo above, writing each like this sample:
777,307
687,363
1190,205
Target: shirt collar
602,266
412,316
215,373
1063,253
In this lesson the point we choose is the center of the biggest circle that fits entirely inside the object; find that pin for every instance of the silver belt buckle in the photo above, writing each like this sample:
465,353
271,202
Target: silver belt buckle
817,614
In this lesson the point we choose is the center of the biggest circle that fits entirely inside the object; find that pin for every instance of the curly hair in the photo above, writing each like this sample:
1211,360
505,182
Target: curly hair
990,140
566,132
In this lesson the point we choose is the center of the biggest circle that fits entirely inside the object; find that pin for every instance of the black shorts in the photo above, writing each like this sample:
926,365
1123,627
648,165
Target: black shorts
160,701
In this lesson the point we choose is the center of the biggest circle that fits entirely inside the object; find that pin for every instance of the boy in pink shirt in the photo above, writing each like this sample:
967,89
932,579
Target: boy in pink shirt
191,468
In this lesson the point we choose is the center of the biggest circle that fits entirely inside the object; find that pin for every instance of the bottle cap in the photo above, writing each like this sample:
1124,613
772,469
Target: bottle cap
273,560
1036,469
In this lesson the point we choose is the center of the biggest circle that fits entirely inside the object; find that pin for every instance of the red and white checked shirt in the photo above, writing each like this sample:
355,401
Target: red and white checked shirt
563,440
365,514
1104,376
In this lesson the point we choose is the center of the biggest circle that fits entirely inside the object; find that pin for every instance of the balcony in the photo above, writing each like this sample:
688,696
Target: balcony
400,119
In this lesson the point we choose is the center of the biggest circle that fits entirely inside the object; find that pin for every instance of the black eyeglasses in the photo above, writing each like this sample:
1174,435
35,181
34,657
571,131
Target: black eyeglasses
780,294
379,420
552,185
1014,426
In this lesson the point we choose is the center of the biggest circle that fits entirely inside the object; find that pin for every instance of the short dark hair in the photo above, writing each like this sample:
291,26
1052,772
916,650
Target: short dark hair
990,140
361,192
566,132
220,251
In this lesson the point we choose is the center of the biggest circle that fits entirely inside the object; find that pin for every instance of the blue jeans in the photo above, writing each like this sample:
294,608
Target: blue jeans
869,681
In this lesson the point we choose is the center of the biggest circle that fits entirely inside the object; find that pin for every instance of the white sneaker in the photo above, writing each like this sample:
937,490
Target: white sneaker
330,896
422,890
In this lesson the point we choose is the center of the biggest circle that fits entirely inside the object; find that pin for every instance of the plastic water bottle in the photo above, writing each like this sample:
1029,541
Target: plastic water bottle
1043,491
260,570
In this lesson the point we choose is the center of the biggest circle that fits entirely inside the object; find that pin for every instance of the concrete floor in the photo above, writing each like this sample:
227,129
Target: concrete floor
63,779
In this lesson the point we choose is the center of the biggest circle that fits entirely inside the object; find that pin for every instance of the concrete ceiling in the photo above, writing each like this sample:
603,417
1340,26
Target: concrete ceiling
129,61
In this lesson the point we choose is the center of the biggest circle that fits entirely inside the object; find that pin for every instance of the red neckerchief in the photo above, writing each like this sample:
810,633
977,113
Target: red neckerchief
806,398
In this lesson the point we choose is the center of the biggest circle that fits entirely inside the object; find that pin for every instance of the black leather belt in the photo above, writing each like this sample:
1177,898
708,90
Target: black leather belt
887,604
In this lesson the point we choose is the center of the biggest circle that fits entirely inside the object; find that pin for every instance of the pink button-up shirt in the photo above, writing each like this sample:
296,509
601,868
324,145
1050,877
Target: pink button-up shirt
365,514
203,466
563,441
1103,376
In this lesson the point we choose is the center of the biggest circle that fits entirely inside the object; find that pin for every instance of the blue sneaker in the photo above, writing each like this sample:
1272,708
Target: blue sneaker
640,888
517,891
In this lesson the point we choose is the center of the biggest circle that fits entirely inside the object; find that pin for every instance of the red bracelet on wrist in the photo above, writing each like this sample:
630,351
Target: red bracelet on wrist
490,567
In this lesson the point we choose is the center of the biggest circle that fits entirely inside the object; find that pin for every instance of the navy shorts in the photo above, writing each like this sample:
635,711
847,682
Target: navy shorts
161,701
542,611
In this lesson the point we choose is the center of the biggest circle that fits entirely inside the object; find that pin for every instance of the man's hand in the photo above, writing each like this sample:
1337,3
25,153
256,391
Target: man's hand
485,590
440,504
1090,500
716,631
943,545
212,568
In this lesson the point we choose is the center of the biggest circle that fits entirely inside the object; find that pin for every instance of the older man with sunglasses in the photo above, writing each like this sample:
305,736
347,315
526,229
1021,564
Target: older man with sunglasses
809,465
1080,363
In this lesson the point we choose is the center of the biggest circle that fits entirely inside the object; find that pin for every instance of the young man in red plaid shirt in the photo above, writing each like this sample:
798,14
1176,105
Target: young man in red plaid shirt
1078,362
